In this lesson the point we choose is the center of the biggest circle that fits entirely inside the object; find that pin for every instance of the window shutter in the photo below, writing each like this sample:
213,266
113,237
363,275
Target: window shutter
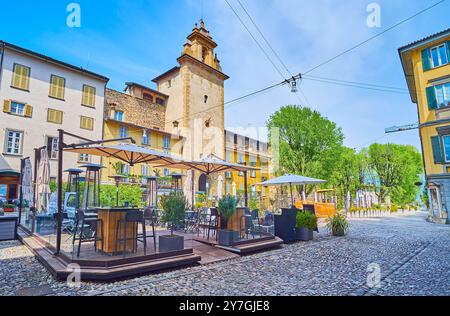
437,150
16,76
25,78
431,97
28,111
426,59
7,106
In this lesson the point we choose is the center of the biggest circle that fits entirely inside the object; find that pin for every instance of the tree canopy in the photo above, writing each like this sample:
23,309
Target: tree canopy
311,145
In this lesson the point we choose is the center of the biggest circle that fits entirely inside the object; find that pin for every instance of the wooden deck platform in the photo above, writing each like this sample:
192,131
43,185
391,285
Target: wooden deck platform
93,269
98,267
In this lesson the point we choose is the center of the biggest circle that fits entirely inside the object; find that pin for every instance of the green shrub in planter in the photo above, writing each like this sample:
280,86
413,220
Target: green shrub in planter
306,220
174,207
338,225
305,224
227,208
9,207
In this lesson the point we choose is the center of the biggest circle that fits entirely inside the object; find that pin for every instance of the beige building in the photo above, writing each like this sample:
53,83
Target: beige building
40,95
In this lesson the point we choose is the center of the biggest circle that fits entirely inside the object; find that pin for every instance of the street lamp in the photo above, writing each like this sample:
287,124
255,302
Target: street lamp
176,181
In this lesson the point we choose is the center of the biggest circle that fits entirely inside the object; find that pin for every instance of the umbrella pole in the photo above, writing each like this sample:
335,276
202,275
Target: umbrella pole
292,195
246,189
60,190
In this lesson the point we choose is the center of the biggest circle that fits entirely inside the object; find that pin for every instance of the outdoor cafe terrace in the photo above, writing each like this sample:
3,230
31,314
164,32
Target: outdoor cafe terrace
108,242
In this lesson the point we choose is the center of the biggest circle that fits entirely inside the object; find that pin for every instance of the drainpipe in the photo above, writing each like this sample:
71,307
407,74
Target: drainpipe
1,62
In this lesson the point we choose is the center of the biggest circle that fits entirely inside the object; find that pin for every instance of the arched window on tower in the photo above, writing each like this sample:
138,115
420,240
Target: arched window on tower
204,54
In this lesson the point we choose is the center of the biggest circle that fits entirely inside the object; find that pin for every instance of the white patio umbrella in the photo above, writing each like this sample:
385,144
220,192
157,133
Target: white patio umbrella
27,182
43,181
128,153
234,189
290,179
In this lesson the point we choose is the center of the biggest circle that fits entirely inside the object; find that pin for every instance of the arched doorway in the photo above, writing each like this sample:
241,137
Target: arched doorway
202,183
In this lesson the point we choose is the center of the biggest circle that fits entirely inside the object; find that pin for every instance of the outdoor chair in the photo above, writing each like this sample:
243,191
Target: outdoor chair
213,222
135,218
86,230
150,216
202,220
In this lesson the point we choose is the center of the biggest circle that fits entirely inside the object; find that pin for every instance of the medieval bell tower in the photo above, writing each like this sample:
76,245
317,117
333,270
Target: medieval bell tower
195,108
196,96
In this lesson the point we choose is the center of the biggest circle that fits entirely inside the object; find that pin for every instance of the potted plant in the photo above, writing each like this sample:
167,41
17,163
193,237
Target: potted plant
174,207
306,223
227,208
9,208
338,225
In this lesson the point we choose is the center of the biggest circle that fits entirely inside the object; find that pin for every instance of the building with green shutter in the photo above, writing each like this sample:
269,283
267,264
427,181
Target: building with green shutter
426,65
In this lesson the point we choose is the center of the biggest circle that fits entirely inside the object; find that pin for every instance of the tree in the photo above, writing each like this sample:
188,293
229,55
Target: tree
395,169
309,142
347,174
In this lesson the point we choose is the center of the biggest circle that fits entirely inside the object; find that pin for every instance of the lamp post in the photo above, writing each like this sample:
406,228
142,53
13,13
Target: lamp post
117,179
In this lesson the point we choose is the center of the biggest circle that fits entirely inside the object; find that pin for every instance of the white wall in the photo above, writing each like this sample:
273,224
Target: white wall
36,129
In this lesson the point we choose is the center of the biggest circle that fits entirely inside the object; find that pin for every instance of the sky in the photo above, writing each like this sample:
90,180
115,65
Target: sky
140,39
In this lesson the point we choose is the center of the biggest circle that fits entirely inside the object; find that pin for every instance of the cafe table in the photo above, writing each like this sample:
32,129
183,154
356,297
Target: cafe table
110,218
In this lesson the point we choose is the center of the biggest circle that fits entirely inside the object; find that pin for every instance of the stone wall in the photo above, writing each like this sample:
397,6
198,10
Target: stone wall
136,111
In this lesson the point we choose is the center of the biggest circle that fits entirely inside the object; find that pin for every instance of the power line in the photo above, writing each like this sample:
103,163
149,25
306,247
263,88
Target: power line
255,40
355,82
264,38
375,36
273,51
360,86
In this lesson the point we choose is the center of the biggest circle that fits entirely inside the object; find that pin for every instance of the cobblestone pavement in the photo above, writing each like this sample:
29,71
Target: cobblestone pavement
413,257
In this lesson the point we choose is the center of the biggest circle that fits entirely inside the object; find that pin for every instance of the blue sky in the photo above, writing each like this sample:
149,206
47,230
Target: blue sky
138,40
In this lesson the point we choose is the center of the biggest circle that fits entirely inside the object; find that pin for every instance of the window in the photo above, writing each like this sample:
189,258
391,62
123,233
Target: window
241,158
52,147
205,99
166,172
21,77
87,123
253,173
118,116
228,157
13,144
57,86
54,116
88,96
147,97
228,188
145,137
17,108
3,191
443,95
125,169
169,84
84,158
166,142
144,170
446,140
253,161
123,131
159,101
439,55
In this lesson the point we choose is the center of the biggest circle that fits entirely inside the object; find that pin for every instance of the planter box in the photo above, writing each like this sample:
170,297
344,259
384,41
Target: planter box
304,234
338,233
8,227
9,210
227,237
285,225
171,243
